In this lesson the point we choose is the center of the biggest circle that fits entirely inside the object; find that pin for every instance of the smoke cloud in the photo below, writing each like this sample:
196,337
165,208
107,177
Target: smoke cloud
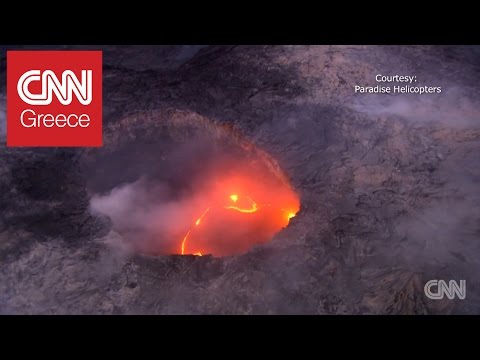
453,107
142,212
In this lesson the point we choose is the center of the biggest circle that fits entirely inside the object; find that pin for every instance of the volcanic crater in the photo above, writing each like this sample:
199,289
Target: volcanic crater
191,186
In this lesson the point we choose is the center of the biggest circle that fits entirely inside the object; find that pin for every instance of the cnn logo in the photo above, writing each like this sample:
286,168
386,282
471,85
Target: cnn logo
54,98
50,85
443,289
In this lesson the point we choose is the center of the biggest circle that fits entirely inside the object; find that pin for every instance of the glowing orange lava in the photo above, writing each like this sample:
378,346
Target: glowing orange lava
253,207
199,220
244,204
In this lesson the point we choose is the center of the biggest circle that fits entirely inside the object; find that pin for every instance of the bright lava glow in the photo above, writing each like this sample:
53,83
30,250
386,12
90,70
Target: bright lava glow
243,205
199,220
253,207
234,198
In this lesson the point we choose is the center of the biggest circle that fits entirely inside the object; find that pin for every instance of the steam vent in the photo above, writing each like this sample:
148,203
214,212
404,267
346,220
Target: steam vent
253,180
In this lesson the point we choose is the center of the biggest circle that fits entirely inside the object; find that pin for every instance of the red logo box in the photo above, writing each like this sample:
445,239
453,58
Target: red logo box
54,98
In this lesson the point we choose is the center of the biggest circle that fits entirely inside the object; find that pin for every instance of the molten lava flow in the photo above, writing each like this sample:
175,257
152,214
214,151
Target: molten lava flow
184,241
199,220
234,199
268,214
253,207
